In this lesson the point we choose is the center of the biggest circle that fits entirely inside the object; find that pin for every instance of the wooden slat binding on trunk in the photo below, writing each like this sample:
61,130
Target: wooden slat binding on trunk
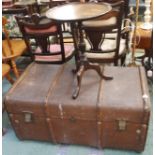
141,132
99,115
52,86
50,128
145,94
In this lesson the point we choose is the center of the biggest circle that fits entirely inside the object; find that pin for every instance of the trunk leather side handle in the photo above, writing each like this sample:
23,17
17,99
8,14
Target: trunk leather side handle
27,116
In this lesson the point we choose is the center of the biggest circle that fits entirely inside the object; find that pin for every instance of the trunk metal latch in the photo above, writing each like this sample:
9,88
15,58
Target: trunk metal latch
122,124
27,116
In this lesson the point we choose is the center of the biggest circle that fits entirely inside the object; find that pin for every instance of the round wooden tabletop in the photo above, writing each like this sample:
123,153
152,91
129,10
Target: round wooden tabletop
78,11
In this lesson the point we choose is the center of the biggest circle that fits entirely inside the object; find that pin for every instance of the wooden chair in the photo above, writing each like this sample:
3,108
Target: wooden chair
41,29
103,47
11,48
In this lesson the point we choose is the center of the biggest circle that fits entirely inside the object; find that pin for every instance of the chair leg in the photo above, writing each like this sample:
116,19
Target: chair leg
14,67
123,60
8,77
81,71
3,129
115,62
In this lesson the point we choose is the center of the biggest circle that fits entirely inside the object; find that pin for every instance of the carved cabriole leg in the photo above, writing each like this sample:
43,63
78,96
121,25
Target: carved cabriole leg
82,69
123,60
115,62
79,79
97,68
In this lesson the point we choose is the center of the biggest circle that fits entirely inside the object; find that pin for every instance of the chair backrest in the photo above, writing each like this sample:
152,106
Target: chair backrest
41,29
11,48
109,24
10,13
53,3
126,5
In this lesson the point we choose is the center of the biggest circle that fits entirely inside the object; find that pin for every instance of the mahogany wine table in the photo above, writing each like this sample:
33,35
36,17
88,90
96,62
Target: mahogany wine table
76,13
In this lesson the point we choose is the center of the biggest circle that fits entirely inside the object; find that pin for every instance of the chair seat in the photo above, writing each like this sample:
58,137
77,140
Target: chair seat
7,6
100,23
5,69
54,48
108,44
41,31
18,47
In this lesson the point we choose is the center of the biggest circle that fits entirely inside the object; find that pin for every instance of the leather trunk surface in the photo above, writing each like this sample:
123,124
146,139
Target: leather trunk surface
124,108
27,98
106,114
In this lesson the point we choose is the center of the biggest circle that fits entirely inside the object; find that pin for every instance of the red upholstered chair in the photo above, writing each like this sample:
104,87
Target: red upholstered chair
42,29
7,3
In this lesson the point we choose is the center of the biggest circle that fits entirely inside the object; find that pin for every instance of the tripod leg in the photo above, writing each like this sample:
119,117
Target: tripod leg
97,68
79,79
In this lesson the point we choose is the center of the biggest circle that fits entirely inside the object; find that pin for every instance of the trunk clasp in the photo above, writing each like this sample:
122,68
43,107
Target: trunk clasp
27,116
122,124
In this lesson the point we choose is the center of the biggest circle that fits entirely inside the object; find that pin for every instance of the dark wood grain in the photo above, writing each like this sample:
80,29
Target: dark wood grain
78,11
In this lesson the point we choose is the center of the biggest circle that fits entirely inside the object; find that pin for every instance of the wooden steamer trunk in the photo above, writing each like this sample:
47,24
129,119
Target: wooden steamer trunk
106,114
